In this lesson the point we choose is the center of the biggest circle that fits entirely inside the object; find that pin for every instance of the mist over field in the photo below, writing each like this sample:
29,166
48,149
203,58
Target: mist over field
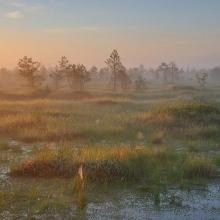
109,109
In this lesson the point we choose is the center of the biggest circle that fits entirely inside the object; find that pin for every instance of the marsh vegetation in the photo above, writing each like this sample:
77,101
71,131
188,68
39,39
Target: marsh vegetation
147,141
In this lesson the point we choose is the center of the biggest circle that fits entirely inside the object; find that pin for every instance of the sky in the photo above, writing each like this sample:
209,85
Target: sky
86,31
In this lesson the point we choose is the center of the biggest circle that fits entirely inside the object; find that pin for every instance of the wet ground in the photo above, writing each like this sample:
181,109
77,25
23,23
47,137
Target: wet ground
54,198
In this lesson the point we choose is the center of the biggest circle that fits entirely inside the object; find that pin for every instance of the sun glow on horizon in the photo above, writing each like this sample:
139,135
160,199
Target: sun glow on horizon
145,33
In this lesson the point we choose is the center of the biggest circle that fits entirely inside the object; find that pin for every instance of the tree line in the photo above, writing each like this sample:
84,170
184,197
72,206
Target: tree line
76,76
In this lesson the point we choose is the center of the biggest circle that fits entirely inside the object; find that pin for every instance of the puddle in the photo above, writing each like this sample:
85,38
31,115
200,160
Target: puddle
196,204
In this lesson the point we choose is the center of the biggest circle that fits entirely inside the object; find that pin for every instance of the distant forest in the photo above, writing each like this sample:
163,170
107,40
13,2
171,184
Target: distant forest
114,75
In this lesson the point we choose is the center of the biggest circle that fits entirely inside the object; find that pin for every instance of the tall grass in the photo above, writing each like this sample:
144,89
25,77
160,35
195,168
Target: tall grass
107,120
180,113
47,120
198,166
115,163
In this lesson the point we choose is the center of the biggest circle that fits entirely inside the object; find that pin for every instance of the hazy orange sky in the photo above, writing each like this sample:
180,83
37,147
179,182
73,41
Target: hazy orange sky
144,32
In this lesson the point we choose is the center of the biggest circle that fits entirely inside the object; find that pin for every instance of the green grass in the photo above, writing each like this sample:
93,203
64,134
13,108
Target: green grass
104,123
198,166
217,160
108,119
46,120
116,163
182,113
165,137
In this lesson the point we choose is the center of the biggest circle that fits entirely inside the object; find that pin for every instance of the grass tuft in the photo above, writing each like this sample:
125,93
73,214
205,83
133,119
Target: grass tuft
116,163
198,166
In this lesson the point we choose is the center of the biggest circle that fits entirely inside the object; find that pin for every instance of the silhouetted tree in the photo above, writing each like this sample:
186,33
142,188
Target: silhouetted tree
93,71
64,65
170,72
58,73
123,78
136,71
77,76
202,79
115,65
56,76
140,84
163,70
174,72
29,70
104,73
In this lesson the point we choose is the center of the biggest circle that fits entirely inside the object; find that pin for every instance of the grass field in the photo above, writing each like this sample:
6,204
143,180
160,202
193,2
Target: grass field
167,136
